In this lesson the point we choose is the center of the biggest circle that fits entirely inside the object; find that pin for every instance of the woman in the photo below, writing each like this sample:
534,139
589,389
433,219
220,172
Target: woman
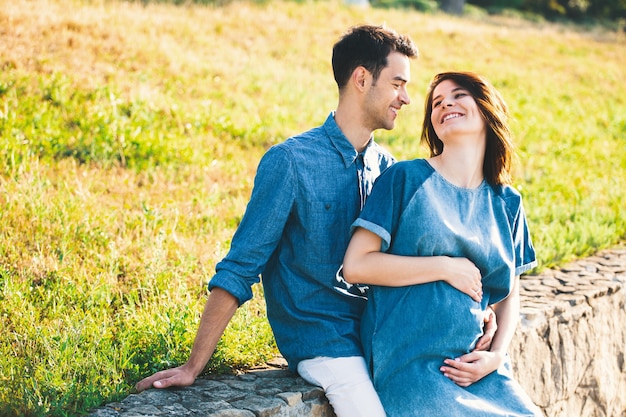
454,224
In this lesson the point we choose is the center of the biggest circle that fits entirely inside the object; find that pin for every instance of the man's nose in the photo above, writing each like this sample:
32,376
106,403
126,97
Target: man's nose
404,97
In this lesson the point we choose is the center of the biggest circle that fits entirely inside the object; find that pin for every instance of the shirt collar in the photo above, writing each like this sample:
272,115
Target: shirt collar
340,142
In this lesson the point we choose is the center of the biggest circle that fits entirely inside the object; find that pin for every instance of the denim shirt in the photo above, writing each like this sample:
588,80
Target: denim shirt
294,234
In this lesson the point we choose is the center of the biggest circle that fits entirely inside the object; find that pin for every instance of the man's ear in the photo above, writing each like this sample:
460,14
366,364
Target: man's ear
360,77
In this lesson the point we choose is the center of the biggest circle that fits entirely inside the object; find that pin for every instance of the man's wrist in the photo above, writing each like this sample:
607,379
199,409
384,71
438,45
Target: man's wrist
194,368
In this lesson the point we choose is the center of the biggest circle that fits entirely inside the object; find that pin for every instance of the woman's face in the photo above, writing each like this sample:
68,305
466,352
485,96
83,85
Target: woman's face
455,113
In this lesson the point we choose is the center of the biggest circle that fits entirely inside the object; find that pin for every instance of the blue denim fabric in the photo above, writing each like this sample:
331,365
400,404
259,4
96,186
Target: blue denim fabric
407,332
294,233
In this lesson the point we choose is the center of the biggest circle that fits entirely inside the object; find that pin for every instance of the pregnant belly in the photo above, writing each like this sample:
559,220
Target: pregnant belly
431,320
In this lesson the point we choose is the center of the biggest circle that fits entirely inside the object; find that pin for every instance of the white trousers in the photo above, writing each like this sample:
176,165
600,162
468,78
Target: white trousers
347,385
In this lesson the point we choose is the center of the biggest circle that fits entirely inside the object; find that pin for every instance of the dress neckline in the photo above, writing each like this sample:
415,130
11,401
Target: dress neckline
454,186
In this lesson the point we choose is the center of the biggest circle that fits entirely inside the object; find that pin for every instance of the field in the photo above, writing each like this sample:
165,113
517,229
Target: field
129,138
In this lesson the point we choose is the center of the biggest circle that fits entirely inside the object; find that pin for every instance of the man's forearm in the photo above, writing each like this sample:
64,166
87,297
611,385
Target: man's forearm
218,311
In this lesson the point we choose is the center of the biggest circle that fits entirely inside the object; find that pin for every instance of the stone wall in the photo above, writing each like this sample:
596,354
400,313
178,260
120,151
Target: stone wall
569,349
568,353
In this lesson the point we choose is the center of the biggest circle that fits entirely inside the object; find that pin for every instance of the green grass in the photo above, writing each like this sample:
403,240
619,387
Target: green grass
129,138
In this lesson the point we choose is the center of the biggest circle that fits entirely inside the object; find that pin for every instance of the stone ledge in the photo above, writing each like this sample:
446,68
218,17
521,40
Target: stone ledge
568,353
257,393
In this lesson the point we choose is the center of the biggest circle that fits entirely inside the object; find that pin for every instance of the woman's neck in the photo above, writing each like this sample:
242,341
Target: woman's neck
461,166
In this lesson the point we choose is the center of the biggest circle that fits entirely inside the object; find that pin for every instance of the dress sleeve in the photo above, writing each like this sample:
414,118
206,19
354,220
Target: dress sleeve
382,208
261,227
525,257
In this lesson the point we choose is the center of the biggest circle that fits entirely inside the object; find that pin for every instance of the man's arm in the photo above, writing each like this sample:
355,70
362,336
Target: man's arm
218,310
265,219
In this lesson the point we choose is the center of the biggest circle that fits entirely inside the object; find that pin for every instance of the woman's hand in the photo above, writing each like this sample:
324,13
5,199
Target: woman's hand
463,275
469,368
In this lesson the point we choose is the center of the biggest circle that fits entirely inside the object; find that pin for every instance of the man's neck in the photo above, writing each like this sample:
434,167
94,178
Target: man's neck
353,129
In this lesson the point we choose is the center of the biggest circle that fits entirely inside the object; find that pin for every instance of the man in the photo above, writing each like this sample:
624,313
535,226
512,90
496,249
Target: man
307,192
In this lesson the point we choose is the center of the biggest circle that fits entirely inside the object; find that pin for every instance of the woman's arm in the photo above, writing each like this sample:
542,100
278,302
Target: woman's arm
507,311
364,263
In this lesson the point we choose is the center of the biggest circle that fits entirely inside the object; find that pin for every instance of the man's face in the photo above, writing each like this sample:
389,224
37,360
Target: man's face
385,98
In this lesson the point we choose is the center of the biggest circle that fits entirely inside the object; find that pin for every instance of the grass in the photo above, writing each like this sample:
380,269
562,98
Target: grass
130,136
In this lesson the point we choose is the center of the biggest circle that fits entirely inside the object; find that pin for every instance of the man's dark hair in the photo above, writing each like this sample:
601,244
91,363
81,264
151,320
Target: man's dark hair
367,46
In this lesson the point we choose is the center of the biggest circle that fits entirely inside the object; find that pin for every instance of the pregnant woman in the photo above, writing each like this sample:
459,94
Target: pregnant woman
454,223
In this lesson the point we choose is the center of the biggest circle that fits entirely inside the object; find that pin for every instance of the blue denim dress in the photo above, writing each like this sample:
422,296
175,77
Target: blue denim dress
407,332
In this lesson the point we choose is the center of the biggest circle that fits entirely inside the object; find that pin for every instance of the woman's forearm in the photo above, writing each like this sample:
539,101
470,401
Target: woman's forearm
364,263
507,312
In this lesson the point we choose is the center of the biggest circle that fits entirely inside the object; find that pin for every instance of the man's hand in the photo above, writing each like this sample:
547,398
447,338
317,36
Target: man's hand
484,343
218,310
469,368
175,377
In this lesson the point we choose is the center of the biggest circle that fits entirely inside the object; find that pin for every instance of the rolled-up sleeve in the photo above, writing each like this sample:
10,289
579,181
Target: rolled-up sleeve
261,227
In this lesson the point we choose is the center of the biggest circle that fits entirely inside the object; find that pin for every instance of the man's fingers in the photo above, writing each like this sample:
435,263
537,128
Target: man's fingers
483,344
142,385
145,384
157,380
162,383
